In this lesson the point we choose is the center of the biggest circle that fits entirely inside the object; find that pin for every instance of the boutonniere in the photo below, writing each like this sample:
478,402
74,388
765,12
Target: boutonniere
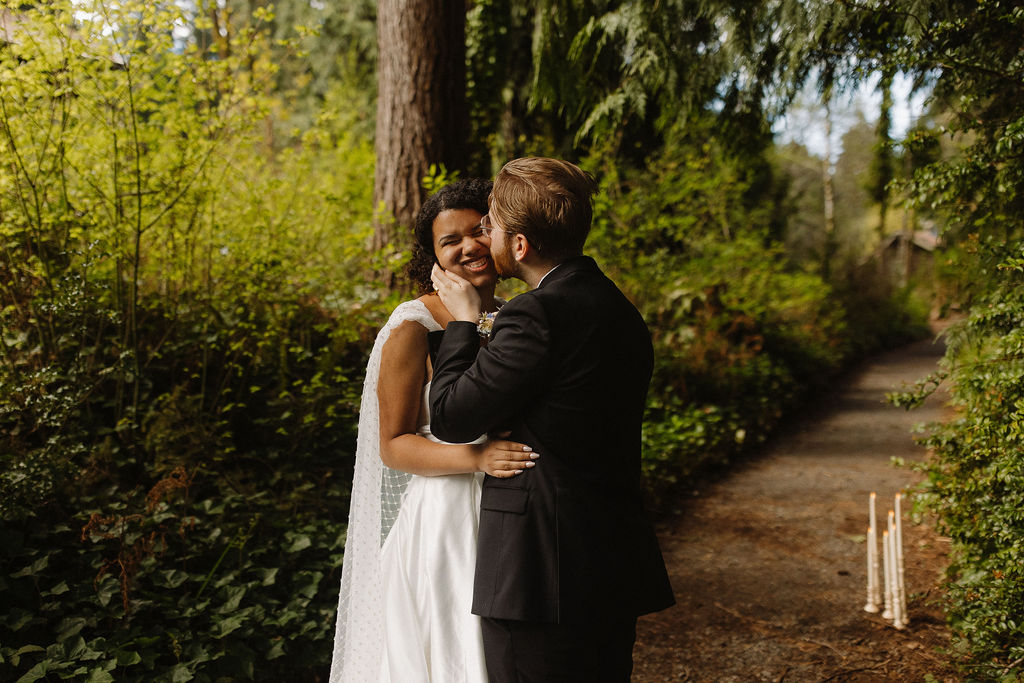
484,323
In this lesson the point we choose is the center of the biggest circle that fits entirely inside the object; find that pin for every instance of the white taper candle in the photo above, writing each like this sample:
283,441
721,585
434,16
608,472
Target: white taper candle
876,581
897,605
887,575
871,604
898,542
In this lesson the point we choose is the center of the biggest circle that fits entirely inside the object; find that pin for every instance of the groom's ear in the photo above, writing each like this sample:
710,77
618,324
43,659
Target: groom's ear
520,246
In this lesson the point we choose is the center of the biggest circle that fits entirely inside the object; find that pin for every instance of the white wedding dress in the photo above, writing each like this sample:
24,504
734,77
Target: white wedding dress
407,579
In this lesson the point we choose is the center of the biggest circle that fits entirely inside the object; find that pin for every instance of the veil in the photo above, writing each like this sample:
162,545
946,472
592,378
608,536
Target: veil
376,498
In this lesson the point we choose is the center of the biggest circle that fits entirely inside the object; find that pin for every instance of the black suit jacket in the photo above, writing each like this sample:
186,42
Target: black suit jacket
567,371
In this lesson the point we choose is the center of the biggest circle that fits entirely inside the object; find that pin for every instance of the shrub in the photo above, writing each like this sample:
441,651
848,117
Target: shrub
183,337
976,475
740,334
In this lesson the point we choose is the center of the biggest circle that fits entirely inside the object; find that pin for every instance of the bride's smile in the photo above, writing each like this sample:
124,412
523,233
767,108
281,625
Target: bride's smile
477,265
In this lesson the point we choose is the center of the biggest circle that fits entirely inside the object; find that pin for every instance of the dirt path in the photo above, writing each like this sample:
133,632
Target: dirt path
768,563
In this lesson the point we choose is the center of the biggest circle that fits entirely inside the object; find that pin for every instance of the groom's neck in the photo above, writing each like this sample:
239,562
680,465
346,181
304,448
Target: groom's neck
533,272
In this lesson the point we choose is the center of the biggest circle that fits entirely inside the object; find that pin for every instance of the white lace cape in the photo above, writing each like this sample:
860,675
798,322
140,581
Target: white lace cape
376,497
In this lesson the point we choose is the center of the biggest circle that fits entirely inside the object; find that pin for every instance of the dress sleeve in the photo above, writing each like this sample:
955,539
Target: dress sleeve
476,390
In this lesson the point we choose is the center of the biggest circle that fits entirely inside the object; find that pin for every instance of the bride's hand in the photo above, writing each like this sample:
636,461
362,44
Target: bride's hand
457,294
504,459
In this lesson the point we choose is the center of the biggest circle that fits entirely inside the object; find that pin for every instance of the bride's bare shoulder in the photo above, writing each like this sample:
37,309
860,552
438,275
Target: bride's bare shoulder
408,340
437,309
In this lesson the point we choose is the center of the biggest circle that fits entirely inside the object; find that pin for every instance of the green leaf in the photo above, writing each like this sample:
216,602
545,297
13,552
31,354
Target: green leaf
79,650
171,578
196,654
234,595
310,582
33,569
180,674
276,650
299,542
68,628
108,588
35,673
99,675
268,575
226,626
127,658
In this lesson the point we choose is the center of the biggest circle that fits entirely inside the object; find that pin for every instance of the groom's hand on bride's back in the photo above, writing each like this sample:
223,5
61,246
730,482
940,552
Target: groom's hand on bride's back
504,459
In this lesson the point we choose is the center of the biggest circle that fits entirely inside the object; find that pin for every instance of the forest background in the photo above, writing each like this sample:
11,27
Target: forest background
203,211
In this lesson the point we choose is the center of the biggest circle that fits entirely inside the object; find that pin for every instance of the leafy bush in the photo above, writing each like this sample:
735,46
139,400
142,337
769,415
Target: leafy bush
231,484
221,585
183,337
740,334
976,476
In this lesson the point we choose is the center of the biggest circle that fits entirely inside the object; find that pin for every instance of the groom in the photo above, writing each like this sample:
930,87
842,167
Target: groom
567,558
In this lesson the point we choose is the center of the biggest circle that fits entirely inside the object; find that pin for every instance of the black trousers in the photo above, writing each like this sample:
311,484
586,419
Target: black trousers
599,651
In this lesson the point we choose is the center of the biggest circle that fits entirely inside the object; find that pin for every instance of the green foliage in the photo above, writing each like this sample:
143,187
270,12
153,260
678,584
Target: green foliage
213,583
437,177
181,311
977,476
740,334
614,66
561,76
319,51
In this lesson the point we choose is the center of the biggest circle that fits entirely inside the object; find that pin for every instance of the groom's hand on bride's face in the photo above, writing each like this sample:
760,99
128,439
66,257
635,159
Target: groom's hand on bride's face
457,294
504,459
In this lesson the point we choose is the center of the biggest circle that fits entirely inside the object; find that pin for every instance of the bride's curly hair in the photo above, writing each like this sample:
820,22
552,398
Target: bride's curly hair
470,193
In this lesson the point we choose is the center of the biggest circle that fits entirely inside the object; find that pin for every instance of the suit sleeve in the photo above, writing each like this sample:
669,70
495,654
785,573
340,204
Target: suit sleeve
476,390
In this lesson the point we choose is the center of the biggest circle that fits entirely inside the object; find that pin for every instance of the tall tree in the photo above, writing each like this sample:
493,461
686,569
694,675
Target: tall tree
854,231
882,169
828,190
422,117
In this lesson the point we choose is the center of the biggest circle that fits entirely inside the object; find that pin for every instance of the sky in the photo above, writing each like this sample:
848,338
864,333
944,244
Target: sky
805,124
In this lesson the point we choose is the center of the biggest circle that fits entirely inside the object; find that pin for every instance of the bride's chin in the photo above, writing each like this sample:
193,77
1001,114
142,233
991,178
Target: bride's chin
482,280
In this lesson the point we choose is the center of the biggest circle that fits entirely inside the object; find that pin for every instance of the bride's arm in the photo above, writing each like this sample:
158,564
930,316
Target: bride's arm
399,393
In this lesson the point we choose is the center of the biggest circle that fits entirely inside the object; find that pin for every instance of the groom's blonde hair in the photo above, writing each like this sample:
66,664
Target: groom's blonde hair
548,201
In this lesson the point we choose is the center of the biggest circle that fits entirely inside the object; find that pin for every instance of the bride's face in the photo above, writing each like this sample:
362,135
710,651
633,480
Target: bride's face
463,248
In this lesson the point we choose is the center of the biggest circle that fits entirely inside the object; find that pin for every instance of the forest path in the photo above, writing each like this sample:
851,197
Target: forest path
768,563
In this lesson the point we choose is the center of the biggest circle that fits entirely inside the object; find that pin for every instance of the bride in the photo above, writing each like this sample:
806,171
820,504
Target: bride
407,580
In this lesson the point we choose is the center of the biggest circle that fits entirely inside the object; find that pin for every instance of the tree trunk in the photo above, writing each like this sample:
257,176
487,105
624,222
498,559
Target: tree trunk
422,116
829,249
883,162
